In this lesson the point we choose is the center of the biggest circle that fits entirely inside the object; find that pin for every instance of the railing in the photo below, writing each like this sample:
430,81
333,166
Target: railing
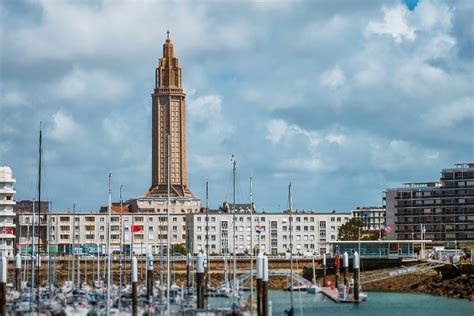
402,271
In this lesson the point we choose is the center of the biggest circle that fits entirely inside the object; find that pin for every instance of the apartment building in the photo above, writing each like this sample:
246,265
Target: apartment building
7,223
372,217
311,230
90,229
444,209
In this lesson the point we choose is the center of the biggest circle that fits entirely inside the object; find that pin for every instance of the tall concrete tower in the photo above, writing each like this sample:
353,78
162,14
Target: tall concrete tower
169,127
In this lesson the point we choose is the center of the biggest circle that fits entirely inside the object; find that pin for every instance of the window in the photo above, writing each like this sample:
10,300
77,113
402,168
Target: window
150,219
322,224
333,219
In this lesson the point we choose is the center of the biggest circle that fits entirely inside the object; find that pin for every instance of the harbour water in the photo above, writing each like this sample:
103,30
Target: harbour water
377,304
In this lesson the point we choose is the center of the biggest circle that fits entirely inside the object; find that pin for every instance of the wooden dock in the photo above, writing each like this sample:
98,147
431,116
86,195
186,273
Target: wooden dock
334,295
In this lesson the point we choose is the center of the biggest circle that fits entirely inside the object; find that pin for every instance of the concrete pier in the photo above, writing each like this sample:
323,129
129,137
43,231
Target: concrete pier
134,286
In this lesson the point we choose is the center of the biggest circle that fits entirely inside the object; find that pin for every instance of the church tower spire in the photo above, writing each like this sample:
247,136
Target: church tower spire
168,127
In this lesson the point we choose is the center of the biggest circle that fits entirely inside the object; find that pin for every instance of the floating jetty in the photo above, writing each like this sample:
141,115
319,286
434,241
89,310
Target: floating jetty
339,297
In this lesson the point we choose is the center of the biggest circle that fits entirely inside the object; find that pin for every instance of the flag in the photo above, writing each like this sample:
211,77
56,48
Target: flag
258,229
136,228
388,229
7,231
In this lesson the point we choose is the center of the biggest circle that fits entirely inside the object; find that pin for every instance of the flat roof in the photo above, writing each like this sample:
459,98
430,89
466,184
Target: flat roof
425,241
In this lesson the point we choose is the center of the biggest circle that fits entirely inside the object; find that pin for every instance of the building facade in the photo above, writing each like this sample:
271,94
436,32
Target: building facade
24,225
311,231
372,217
89,229
7,216
444,209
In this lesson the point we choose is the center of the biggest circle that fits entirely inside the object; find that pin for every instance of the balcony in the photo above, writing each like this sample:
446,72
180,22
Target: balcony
7,202
7,191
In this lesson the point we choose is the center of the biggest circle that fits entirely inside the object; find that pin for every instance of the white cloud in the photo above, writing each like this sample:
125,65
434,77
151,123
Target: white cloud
394,24
450,114
373,74
13,98
207,121
95,84
115,128
64,128
277,130
302,165
333,78
336,138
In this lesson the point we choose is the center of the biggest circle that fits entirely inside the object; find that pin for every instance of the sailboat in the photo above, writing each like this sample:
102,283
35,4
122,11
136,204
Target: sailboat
291,311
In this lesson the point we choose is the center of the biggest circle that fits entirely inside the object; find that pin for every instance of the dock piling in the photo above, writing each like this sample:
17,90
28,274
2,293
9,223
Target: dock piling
18,272
345,264
134,286
259,283
265,310
3,285
149,276
356,266
189,281
200,280
324,269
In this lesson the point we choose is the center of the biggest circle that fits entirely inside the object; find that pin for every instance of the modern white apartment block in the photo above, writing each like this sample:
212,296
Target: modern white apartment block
7,223
90,230
372,217
311,231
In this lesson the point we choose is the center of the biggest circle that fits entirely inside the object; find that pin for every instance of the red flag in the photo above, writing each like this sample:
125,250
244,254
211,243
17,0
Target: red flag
136,228
7,231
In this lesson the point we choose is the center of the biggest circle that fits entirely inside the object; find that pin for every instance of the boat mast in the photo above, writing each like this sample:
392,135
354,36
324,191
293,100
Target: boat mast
32,252
206,278
73,245
168,245
121,248
39,210
290,207
234,269
108,245
251,246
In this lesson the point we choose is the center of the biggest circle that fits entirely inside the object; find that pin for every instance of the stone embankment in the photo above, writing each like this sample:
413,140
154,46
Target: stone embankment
441,283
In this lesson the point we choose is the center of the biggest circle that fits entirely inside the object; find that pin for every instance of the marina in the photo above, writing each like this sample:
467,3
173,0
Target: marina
236,158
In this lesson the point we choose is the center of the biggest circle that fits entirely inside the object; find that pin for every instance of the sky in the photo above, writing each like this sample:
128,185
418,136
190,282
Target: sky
342,98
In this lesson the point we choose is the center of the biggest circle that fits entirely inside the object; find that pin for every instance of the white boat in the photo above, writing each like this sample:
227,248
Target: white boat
314,289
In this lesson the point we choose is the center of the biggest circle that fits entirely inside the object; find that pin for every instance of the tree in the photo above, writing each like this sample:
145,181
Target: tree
350,229
180,248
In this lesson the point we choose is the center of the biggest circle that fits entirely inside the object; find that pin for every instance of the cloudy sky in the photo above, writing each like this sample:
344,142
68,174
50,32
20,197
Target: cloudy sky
343,98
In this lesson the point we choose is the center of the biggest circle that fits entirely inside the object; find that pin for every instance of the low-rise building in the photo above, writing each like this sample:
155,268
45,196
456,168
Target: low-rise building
146,231
311,230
